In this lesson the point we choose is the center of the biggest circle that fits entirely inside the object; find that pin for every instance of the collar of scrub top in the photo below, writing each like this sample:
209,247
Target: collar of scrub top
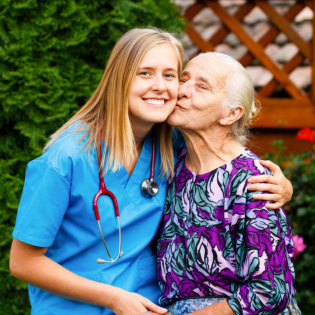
149,188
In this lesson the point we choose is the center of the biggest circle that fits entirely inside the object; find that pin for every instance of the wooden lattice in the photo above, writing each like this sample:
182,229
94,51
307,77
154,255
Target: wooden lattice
297,108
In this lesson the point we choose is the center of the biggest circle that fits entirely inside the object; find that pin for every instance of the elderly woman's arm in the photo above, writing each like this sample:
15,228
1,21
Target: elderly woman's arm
264,252
264,249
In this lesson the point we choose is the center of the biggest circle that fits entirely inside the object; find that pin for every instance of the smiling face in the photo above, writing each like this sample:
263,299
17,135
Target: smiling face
153,93
201,94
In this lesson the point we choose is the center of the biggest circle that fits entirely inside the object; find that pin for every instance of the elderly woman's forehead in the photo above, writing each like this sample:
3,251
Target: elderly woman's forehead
208,61
208,65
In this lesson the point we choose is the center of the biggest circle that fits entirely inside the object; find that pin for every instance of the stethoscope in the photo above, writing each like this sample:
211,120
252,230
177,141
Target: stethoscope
149,188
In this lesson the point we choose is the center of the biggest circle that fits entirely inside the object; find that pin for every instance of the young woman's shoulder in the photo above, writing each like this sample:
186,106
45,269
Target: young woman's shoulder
63,153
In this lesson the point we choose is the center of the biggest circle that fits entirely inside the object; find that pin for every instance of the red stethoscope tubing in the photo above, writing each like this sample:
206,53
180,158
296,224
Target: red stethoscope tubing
152,158
103,190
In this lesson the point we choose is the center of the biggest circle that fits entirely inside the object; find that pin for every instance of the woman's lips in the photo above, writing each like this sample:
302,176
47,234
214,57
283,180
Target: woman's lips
182,104
156,101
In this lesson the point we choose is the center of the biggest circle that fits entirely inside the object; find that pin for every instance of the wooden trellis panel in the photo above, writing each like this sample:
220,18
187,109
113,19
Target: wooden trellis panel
297,108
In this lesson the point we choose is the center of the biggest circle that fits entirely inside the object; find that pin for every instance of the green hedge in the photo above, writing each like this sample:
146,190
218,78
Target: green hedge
52,56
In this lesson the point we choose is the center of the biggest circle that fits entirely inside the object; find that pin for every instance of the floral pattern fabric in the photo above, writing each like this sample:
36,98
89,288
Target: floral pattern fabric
215,240
187,306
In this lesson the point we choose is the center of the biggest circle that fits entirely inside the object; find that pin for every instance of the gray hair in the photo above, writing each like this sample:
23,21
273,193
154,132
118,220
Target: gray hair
239,93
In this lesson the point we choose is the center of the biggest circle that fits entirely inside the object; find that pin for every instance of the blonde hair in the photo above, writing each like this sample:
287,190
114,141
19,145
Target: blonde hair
106,113
240,92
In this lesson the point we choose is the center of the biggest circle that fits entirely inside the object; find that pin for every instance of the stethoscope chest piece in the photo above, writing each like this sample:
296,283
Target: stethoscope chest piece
149,187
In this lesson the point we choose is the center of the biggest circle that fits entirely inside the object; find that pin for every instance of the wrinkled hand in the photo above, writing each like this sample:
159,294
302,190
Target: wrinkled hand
133,303
279,187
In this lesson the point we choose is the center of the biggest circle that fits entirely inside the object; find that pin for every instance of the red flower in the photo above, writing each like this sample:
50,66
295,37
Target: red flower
307,134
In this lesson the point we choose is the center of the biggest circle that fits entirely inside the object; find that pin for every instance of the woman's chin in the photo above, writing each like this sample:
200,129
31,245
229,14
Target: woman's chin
173,119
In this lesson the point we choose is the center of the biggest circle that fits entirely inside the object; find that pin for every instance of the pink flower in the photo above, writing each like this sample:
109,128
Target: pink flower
299,245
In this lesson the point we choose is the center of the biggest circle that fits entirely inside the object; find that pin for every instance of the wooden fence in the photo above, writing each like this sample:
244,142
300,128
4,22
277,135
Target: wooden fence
293,107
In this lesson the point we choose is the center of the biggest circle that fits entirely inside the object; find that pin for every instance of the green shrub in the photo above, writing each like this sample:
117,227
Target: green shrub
52,56
300,169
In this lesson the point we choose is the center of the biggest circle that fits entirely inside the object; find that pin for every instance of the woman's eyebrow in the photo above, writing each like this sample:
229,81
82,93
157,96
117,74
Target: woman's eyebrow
152,68
203,79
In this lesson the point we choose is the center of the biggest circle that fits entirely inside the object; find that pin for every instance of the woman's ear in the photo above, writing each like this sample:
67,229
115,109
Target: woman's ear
233,115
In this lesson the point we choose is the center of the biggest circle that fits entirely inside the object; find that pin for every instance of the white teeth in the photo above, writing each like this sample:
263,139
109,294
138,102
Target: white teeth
155,101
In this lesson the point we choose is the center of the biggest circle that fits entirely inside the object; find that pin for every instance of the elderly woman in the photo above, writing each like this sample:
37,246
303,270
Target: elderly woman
219,250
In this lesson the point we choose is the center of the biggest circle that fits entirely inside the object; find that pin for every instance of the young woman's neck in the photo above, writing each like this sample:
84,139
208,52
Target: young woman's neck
139,136
208,150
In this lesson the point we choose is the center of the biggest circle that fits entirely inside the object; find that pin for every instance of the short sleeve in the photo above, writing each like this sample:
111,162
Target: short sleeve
44,201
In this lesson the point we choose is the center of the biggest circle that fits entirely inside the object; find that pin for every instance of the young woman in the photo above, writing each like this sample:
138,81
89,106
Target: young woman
56,238
119,135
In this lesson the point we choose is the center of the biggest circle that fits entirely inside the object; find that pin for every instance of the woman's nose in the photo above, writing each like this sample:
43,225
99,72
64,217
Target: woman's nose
184,90
159,83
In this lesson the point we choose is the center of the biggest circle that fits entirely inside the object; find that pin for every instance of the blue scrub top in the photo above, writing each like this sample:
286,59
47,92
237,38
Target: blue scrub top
56,211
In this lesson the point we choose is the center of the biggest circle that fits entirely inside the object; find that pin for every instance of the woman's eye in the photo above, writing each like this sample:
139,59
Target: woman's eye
170,75
144,73
203,87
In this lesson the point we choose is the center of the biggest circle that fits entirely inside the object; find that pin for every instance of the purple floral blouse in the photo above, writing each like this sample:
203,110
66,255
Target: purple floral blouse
215,240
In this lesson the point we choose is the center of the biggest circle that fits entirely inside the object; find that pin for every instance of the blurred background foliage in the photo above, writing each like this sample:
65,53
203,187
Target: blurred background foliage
300,169
52,56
